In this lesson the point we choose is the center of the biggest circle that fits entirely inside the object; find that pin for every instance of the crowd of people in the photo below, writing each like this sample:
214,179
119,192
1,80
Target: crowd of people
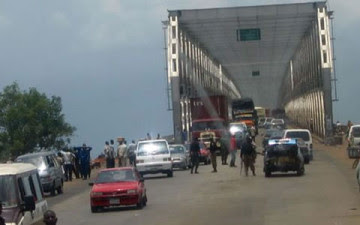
247,152
124,153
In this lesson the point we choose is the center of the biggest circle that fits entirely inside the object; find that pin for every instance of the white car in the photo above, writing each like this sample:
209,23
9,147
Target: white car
354,135
305,135
153,156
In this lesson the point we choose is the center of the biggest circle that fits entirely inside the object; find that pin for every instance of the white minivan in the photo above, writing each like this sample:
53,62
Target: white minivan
153,156
21,194
305,135
354,135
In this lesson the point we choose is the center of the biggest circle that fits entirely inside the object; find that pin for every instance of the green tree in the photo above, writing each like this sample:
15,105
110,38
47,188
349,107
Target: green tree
29,119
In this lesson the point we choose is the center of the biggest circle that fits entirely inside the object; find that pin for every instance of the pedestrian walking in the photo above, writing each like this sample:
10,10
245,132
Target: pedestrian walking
2,220
131,153
121,152
233,150
195,154
68,159
253,133
50,218
213,149
84,154
248,155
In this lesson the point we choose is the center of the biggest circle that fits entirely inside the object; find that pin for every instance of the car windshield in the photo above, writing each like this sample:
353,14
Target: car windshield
277,121
356,132
38,162
298,134
111,176
7,191
152,148
283,147
177,150
212,125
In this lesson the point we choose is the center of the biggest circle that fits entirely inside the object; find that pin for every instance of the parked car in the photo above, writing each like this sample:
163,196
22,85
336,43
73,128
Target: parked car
180,156
282,156
153,156
50,171
21,195
305,135
354,135
122,186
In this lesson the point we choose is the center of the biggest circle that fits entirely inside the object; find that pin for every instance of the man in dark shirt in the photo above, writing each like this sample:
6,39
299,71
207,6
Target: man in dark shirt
195,153
248,155
212,149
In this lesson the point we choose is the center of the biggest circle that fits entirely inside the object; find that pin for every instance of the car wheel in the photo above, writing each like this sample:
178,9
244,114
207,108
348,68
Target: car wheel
300,171
145,200
170,174
53,189
205,161
307,160
94,209
60,188
185,166
267,173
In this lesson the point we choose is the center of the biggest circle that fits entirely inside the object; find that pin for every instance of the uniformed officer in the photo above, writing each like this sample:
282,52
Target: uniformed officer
248,155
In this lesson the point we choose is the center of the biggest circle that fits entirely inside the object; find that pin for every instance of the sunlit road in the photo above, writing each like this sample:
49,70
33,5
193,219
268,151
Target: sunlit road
322,196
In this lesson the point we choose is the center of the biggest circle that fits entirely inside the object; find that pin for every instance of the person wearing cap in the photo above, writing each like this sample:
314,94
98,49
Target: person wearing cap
50,218
248,155
2,220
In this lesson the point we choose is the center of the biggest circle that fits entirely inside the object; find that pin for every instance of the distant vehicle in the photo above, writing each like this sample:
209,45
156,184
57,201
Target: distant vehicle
180,156
272,134
354,135
21,194
305,135
204,154
51,173
282,156
278,121
122,186
243,110
153,156
209,114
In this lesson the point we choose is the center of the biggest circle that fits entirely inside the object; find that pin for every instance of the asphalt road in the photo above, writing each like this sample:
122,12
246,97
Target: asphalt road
324,195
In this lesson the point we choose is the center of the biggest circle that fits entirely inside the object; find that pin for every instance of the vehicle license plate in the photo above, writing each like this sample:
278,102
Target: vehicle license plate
114,201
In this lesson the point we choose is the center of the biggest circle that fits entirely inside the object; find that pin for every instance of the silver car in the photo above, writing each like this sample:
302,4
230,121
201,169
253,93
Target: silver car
180,156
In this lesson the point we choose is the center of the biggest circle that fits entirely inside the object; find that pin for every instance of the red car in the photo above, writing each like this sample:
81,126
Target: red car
117,187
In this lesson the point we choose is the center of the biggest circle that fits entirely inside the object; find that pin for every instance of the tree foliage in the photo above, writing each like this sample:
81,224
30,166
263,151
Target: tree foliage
29,119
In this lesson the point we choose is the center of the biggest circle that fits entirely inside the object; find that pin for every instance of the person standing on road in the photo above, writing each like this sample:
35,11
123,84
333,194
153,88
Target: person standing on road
195,154
233,150
131,153
50,218
2,220
68,159
84,153
253,133
224,149
121,152
213,149
248,155
109,155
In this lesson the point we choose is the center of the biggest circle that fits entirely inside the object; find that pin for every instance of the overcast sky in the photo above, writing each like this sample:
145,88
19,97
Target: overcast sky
105,59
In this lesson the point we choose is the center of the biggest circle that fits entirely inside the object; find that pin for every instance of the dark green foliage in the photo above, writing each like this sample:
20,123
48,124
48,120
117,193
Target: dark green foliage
29,119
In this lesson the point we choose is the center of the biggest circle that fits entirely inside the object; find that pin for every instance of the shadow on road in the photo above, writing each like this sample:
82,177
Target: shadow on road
281,175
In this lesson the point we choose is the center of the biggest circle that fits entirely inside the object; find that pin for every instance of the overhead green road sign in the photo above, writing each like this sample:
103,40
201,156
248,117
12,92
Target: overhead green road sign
248,34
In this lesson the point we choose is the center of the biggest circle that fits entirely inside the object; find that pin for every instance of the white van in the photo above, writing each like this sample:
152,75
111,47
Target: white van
21,194
305,135
354,135
153,156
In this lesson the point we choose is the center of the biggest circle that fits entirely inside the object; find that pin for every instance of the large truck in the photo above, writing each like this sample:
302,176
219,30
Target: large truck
243,110
209,117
